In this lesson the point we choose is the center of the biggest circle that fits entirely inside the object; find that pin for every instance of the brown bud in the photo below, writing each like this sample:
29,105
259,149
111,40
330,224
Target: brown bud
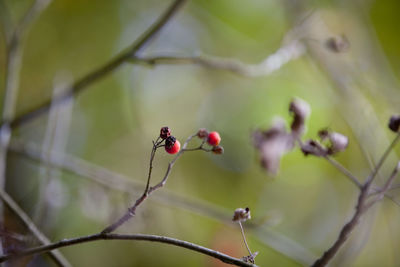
217,150
202,133
394,123
165,132
241,215
170,142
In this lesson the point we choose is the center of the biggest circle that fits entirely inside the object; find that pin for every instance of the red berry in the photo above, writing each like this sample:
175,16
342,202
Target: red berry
174,148
213,138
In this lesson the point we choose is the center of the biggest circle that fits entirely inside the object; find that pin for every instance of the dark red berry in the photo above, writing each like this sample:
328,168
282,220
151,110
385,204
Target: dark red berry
202,133
165,132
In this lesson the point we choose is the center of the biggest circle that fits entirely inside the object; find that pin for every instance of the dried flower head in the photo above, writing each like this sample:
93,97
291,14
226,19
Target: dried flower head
300,110
202,133
241,215
394,123
336,142
165,132
272,145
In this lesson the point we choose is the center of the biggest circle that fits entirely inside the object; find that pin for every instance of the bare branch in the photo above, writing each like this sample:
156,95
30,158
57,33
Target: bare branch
104,70
54,254
346,230
139,237
148,190
270,64
382,159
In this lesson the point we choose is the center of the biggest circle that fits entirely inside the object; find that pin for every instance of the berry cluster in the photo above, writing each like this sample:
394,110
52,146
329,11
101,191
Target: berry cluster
172,146
213,139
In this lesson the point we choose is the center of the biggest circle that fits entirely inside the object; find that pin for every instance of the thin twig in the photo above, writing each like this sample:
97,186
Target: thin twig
104,70
270,64
345,171
139,237
382,159
148,190
244,238
54,254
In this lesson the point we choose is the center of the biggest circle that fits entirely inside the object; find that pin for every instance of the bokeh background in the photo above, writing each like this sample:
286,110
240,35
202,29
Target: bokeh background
296,214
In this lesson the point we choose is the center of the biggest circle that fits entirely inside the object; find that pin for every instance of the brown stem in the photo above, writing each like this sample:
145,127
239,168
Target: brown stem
139,237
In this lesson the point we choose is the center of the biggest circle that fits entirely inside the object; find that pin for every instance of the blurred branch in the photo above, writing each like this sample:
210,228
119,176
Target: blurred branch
270,64
104,70
14,49
5,21
139,237
56,138
54,254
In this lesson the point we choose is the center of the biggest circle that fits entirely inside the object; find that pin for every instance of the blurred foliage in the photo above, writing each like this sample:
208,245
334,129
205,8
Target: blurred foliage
114,121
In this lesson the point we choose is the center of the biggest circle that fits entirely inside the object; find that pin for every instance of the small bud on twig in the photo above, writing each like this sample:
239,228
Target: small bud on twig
202,133
394,123
218,150
241,215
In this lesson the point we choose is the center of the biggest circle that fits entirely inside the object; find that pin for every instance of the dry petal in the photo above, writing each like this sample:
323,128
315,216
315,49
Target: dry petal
272,145
301,110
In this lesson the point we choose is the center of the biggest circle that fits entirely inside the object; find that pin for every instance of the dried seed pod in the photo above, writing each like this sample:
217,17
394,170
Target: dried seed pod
241,215
165,132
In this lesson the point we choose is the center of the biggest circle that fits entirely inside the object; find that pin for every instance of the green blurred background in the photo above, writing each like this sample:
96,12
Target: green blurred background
296,214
